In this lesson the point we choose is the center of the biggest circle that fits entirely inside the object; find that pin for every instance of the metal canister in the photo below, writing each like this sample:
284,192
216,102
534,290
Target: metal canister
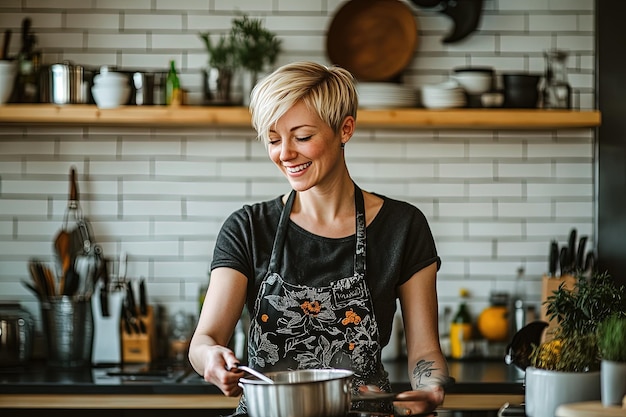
79,86
68,84
60,84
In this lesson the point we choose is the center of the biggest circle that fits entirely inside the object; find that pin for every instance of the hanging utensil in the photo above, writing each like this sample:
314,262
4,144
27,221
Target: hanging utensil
64,244
4,54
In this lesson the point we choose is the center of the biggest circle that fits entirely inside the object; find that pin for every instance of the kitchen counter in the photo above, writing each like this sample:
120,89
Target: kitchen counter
479,385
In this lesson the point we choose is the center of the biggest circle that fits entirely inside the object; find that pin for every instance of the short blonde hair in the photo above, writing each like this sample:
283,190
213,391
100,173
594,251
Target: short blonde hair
329,91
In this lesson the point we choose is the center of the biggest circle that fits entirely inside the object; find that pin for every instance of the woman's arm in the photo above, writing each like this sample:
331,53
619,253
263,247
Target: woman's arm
427,367
221,310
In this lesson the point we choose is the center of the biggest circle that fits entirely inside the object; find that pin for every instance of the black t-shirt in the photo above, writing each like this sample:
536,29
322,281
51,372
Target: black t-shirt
399,244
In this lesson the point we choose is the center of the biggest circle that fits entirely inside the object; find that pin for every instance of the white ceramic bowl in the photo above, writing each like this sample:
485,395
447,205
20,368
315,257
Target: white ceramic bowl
474,82
109,97
7,81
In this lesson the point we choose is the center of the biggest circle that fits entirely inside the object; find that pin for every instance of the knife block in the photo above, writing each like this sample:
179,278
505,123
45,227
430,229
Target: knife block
140,347
548,286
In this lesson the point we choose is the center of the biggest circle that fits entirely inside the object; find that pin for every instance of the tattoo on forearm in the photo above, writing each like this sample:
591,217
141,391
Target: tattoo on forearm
422,369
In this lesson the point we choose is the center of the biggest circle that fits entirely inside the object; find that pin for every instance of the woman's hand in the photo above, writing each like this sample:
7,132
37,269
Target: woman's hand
220,369
421,401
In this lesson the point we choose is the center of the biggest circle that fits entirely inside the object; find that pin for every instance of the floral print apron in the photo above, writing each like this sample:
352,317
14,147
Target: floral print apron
300,327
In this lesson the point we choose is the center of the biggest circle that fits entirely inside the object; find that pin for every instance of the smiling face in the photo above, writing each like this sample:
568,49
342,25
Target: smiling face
306,149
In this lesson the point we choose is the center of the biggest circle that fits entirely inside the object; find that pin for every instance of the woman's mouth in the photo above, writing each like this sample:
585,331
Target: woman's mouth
297,168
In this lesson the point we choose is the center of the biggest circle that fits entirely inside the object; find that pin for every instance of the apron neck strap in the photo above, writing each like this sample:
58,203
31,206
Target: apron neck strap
360,251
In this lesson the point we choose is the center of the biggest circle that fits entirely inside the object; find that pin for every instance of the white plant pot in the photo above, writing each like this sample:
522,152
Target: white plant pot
612,382
546,390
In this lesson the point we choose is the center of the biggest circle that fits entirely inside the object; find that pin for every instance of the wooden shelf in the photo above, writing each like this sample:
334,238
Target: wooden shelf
190,116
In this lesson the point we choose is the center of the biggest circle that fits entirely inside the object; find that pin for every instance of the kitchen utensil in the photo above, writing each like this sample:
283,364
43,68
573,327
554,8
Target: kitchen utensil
64,244
131,325
143,298
32,288
564,261
4,54
554,258
373,39
590,263
580,253
103,275
302,393
256,373
571,250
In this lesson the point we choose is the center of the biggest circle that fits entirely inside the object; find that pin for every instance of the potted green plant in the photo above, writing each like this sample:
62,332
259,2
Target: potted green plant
257,49
249,47
566,368
223,63
611,334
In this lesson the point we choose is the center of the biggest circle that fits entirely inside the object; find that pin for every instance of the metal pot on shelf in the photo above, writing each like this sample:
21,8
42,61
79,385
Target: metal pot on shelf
65,83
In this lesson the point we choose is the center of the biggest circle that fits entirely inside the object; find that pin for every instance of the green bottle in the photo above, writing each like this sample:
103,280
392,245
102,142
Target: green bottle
172,85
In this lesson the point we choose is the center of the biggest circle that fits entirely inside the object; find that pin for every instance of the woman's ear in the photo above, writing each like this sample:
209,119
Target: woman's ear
347,129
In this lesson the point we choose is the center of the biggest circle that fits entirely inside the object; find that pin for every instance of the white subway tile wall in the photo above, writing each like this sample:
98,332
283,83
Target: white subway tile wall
494,199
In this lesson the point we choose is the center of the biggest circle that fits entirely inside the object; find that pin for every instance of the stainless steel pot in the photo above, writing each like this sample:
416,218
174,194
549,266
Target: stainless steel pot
16,335
65,83
302,393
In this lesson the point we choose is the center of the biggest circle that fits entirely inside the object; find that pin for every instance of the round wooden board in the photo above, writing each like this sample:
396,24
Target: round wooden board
373,39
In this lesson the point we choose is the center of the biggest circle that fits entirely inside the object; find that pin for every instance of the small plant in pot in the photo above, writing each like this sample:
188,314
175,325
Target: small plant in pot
257,49
567,368
247,50
223,63
611,334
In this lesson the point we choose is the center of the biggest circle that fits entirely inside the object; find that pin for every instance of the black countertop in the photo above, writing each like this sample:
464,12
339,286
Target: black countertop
471,377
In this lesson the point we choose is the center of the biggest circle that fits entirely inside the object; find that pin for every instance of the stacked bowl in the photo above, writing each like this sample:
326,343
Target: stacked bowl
8,70
476,81
445,95
110,89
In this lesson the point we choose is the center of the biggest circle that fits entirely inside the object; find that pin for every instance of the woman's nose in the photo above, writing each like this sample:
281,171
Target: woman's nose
286,150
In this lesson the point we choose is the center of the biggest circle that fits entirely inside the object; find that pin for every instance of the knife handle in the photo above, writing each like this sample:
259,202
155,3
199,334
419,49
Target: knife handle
143,298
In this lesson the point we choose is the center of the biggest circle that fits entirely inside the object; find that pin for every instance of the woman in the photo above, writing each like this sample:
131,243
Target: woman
320,269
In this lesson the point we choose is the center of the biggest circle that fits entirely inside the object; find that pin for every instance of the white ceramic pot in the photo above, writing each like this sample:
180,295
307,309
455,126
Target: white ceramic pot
546,390
612,382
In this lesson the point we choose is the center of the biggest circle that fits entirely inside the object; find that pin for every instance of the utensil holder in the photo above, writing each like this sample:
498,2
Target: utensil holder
68,325
548,286
139,347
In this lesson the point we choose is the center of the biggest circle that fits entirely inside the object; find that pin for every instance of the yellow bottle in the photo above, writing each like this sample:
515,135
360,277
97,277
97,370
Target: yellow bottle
460,328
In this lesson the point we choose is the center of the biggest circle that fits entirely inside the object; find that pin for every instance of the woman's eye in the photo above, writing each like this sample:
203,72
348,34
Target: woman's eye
304,139
273,141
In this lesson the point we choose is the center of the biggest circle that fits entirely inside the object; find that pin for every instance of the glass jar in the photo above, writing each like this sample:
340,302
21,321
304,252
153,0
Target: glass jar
557,93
